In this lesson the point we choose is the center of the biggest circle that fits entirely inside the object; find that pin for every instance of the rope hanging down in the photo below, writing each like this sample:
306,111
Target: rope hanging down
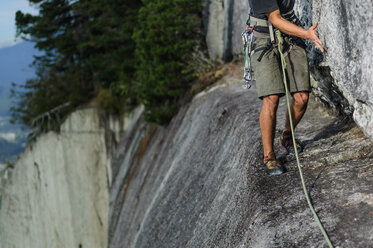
283,65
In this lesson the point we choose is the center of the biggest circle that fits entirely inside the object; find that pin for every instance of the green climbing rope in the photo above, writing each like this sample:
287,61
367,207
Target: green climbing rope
283,65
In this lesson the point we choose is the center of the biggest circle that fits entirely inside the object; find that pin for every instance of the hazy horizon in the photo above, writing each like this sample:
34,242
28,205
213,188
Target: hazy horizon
14,67
8,9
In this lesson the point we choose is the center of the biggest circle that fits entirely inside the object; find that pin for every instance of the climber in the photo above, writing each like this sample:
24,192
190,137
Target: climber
268,74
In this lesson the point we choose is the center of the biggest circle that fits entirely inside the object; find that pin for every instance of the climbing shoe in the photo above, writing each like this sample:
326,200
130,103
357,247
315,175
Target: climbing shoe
272,166
286,141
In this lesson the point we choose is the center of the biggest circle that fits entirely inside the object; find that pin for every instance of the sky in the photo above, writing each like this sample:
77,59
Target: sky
8,9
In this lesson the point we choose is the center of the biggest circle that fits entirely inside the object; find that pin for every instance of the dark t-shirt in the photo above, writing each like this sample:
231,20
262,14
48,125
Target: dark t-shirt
258,8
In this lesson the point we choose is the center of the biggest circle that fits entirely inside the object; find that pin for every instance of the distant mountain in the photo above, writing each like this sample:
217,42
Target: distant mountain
9,150
15,67
12,139
15,61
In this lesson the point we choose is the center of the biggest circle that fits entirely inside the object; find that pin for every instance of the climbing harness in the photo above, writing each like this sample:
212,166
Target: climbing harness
247,39
264,29
280,43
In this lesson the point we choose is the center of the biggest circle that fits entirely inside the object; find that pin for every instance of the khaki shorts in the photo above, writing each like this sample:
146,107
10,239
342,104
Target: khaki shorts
268,74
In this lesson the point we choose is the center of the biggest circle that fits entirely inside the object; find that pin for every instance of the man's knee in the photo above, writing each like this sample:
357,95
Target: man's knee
301,99
271,102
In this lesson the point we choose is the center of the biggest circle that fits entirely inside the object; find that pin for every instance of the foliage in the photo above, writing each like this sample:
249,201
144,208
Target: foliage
121,52
167,32
88,46
111,47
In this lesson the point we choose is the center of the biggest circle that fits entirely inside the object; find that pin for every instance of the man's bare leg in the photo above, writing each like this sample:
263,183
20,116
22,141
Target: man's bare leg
267,122
298,108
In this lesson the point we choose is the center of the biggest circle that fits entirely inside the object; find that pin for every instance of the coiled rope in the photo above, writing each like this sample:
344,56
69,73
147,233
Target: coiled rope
283,65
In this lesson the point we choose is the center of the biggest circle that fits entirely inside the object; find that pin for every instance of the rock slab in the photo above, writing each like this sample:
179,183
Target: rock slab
343,77
201,183
57,194
346,30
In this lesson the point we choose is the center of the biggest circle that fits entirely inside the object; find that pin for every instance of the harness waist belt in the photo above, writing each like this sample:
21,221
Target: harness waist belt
260,29
254,21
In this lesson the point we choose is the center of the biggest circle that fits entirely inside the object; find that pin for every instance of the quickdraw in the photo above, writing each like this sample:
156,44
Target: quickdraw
247,39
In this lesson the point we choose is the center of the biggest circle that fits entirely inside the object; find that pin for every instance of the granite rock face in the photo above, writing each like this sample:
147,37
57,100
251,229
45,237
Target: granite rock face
346,29
200,181
343,77
224,21
212,20
57,193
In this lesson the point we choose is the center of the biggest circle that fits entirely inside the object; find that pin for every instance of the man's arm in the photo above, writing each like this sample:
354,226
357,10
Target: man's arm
291,29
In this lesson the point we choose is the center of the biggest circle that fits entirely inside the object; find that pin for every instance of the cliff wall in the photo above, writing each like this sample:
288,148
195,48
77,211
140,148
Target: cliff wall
343,77
57,193
200,181
347,32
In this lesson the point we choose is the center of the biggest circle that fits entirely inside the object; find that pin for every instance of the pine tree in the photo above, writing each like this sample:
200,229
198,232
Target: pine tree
167,32
88,49
111,46
62,74
120,52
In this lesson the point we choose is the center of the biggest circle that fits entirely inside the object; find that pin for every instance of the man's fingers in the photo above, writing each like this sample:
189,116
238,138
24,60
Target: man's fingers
318,41
314,38
319,45
314,26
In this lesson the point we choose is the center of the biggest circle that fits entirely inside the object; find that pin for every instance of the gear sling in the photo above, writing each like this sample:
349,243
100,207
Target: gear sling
247,39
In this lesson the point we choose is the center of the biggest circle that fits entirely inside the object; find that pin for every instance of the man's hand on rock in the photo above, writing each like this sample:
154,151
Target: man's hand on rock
312,36
291,29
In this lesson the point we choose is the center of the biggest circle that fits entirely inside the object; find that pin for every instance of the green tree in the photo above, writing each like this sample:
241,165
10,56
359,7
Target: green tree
166,34
62,74
88,48
111,48
121,52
